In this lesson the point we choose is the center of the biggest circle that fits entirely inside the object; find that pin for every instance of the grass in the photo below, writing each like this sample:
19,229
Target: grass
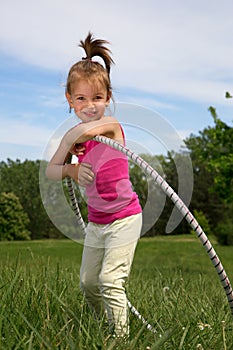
173,285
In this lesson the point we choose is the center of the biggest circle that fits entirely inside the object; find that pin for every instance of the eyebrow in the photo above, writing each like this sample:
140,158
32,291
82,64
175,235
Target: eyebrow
83,95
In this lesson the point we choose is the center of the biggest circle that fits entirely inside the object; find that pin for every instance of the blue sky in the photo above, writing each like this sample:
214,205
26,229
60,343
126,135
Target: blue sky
173,58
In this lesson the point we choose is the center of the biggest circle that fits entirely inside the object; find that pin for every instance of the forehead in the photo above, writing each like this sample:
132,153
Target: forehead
88,87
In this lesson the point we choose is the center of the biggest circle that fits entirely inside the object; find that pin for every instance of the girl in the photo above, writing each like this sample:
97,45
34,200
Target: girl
114,212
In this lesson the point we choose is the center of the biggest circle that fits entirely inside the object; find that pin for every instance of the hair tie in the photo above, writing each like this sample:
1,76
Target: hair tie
86,58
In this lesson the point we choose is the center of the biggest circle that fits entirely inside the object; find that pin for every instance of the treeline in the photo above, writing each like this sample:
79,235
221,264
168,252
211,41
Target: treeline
22,213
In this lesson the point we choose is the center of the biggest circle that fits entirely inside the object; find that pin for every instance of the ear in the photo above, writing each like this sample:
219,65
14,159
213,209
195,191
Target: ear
69,99
108,98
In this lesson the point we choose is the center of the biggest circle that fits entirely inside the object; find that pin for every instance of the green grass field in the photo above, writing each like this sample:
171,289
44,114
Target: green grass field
173,284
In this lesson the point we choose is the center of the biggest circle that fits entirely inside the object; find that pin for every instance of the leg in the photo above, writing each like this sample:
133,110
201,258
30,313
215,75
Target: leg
115,271
89,277
90,269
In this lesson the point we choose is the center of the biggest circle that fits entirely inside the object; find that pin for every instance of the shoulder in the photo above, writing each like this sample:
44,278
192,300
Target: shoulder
115,126
109,120
107,126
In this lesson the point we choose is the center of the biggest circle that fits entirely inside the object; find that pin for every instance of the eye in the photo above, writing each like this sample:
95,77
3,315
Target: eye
80,98
99,97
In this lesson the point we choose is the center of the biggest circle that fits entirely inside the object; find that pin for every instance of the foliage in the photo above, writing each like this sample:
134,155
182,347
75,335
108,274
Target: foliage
214,147
150,195
224,232
202,220
13,220
212,156
22,179
221,162
211,152
171,164
228,95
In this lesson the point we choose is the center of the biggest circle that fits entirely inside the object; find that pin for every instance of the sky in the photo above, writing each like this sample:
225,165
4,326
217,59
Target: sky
173,59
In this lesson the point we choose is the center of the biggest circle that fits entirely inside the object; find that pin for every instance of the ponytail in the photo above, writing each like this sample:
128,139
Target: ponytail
89,70
95,47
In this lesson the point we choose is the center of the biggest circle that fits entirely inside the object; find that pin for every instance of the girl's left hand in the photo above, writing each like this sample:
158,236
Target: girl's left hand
77,149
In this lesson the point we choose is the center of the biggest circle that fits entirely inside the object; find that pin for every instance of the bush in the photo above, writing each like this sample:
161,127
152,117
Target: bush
202,220
224,232
13,219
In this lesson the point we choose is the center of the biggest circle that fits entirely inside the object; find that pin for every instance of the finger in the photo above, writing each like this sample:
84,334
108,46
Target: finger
86,178
89,174
87,165
84,182
79,150
76,148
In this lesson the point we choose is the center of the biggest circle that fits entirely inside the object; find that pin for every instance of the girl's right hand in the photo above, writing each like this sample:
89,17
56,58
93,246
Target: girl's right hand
85,174
81,173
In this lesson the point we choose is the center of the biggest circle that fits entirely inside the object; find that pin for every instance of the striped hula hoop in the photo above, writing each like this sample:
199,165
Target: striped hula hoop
179,204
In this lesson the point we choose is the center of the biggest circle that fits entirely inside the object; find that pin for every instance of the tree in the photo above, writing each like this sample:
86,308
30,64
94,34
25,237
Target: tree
212,156
23,180
159,207
150,195
204,198
214,148
220,151
13,220
175,224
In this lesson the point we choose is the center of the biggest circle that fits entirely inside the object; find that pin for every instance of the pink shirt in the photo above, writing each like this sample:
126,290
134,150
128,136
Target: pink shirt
110,197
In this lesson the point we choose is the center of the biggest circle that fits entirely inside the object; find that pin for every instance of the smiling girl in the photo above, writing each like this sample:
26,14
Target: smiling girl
114,212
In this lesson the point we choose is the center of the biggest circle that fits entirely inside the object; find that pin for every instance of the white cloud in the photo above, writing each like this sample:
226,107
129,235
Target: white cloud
22,133
143,100
183,47
52,101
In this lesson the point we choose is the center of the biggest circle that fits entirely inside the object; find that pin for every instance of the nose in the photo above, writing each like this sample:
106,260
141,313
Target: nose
90,104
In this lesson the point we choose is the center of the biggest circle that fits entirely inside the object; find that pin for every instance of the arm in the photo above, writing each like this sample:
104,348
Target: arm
57,169
107,126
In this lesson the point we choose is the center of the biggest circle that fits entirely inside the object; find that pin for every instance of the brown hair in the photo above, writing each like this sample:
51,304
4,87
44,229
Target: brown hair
89,70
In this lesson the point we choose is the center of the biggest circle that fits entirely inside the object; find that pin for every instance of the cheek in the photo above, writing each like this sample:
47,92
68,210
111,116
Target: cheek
102,105
77,108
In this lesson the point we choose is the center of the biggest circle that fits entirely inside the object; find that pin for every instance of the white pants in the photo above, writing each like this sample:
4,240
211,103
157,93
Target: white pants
106,262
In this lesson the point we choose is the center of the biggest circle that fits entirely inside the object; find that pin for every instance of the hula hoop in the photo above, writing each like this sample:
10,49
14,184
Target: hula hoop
183,209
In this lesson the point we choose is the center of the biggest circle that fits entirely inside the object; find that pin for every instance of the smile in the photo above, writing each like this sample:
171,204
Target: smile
89,113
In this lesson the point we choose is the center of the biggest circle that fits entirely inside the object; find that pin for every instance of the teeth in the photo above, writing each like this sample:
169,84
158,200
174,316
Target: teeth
90,113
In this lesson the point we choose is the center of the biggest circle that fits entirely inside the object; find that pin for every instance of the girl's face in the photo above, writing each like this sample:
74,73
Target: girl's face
89,101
